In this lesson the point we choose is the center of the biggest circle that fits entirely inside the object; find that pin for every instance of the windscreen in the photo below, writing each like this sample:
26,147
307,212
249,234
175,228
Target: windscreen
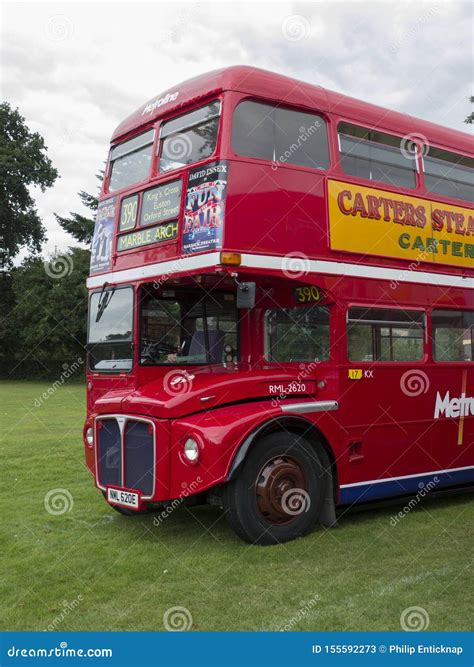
110,330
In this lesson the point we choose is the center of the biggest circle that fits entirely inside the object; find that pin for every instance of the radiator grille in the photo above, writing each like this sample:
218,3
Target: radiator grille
139,456
110,453
125,453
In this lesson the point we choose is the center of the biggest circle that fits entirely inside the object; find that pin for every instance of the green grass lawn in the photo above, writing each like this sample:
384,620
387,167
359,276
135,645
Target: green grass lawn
111,572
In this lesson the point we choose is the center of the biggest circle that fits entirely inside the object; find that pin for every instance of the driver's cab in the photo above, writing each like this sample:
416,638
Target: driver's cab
187,324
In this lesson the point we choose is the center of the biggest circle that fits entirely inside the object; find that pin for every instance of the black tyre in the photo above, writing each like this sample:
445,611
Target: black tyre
279,492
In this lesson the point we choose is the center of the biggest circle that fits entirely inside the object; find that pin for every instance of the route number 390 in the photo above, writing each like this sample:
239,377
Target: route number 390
307,294
128,213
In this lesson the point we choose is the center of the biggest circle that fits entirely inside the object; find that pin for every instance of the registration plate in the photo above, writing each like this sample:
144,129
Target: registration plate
123,497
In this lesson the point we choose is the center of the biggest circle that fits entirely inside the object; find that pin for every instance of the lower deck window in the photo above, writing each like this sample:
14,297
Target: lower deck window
378,334
453,335
297,334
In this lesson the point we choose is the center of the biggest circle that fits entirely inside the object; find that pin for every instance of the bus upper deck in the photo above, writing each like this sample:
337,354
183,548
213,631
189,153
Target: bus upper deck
247,161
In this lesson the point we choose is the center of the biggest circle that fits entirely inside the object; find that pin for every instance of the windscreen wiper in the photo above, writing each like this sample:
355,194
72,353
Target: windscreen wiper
104,301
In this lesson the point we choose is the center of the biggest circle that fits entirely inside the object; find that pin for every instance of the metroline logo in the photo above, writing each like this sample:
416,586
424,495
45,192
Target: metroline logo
453,407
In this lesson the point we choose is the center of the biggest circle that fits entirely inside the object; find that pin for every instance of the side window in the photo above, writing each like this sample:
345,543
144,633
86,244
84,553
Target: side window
297,334
376,156
453,335
379,334
130,161
189,138
449,174
280,135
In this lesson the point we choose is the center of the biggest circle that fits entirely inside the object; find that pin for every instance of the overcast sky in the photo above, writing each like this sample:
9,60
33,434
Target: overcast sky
75,70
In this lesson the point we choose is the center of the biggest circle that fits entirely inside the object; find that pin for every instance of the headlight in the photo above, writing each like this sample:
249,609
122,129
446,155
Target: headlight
90,437
191,450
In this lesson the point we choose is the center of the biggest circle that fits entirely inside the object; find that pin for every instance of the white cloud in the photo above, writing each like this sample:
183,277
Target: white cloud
76,70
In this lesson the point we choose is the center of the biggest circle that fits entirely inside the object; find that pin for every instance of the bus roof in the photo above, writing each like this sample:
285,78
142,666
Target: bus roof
264,84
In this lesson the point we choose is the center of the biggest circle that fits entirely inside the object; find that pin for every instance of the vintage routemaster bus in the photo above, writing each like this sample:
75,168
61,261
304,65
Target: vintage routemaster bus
281,307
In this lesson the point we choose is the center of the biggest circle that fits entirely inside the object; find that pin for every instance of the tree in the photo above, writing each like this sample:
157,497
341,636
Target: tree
47,326
79,226
470,119
23,163
7,303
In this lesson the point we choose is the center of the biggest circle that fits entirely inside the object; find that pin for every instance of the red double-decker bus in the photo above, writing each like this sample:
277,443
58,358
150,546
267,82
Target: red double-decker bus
281,305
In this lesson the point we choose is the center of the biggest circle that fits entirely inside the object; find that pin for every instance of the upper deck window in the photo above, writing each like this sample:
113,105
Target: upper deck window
280,135
449,174
189,138
131,161
376,156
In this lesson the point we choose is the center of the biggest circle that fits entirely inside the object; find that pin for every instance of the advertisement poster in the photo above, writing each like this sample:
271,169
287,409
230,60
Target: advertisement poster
203,225
370,221
101,249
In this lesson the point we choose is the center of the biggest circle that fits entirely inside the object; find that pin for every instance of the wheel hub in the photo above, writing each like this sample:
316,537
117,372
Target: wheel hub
281,490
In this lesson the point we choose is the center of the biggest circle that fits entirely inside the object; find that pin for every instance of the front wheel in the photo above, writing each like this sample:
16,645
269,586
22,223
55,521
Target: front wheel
279,492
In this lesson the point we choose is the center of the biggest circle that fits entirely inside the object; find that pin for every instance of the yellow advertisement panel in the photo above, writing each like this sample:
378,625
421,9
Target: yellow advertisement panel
378,222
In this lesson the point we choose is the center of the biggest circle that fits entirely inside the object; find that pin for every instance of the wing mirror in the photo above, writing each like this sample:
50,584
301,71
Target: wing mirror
246,295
